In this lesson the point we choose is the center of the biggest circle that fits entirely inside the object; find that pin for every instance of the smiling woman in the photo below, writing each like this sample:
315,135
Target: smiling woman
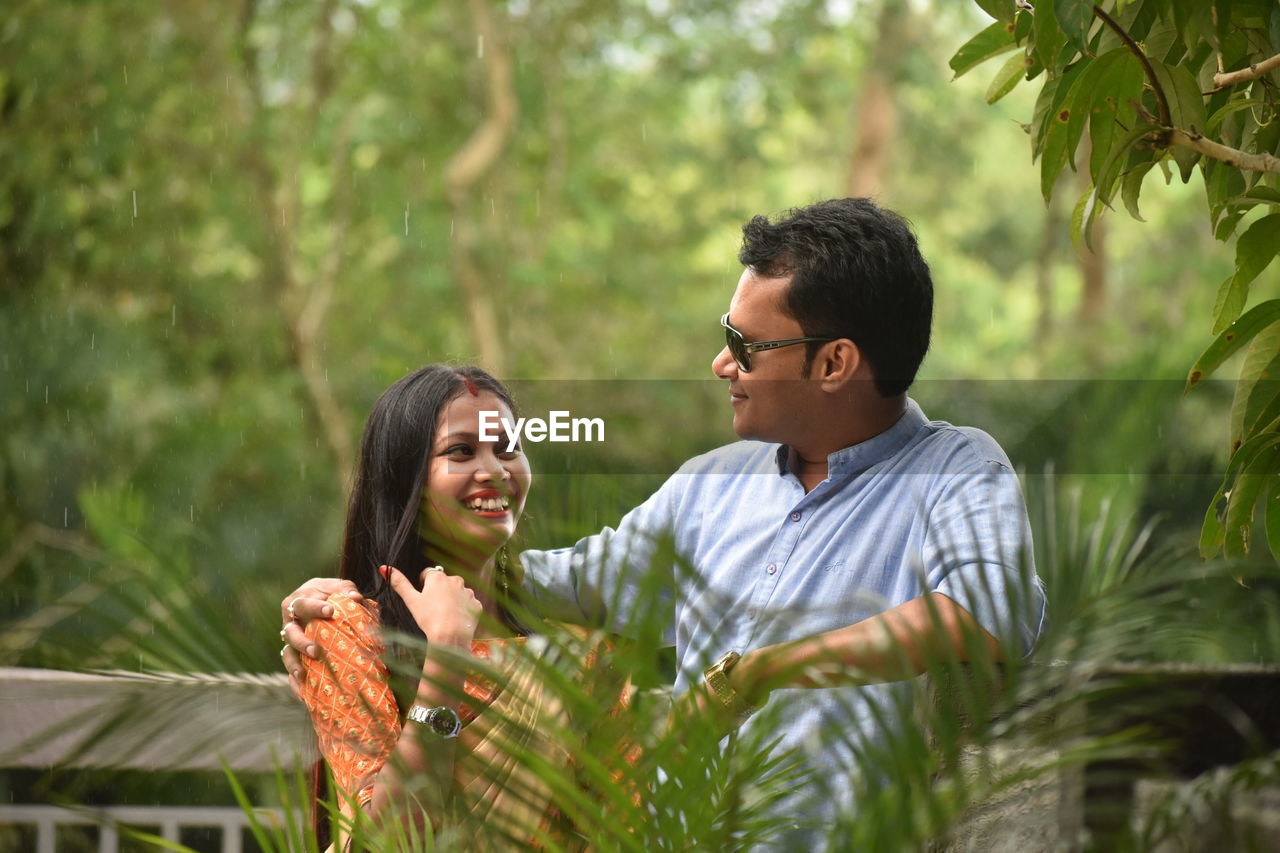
430,489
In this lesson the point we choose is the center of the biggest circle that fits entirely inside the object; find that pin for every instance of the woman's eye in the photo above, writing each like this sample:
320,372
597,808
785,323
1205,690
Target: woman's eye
458,450
504,453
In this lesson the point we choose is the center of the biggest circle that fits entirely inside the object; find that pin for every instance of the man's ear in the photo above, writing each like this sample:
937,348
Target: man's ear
837,363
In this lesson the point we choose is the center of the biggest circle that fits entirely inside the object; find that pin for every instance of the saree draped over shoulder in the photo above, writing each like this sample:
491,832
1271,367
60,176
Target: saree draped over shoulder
508,717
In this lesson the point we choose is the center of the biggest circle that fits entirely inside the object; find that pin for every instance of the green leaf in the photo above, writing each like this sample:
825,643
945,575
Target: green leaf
1243,501
1229,302
1212,532
1256,384
1049,38
1162,42
1232,339
1001,10
1121,149
1101,193
1075,17
1193,19
1246,457
1048,110
1267,195
1186,109
1088,89
993,41
1255,250
1263,407
1222,183
1007,77
1111,111
1215,121
1082,215
1271,517
1132,186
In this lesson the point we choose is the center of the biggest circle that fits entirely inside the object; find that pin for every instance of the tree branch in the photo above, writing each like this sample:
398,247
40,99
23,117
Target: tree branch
482,150
1193,139
1166,117
1229,78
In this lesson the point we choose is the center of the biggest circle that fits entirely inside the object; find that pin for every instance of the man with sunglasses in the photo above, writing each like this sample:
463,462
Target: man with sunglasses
845,543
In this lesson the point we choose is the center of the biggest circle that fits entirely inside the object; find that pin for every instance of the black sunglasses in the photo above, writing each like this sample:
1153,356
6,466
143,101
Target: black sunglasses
741,350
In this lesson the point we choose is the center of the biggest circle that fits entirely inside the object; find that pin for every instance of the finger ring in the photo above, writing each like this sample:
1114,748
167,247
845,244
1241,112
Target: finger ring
282,636
433,569
284,649
293,615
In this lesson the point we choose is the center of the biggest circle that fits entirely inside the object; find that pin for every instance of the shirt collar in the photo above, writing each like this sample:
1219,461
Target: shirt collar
861,456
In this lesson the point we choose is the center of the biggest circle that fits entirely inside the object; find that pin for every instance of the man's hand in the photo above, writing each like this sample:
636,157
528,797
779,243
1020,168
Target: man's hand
307,602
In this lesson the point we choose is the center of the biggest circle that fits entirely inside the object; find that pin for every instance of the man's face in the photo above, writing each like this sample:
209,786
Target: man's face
771,402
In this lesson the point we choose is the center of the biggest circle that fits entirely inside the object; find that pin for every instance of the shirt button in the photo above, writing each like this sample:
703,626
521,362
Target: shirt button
751,614
772,568
795,516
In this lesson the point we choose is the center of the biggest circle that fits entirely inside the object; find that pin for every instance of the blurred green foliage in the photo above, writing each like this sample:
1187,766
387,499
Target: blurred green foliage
1164,86
224,230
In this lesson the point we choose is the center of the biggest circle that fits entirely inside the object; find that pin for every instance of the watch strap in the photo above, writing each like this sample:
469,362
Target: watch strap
441,720
716,677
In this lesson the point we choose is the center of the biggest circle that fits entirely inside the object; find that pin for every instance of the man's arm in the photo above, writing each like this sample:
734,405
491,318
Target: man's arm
897,644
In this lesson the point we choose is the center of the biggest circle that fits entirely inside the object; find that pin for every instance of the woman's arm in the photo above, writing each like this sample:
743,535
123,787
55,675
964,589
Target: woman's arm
357,721
447,611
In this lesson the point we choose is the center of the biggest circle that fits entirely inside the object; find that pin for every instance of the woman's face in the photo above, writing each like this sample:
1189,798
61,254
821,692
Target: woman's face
475,489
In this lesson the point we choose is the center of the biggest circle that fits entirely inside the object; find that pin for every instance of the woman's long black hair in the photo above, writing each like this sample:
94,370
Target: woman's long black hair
384,514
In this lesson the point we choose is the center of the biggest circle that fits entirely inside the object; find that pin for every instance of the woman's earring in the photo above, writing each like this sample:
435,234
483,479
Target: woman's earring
503,574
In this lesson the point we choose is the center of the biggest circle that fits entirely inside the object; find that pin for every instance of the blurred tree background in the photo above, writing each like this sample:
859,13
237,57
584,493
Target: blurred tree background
224,230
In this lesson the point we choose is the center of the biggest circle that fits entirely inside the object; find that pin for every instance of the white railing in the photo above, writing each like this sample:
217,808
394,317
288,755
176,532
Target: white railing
169,819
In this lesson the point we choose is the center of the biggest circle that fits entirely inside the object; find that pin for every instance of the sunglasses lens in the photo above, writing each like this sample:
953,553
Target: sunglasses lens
738,349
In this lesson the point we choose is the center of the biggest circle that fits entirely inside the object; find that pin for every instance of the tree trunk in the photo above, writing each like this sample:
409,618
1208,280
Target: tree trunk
303,299
876,116
461,175
1046,255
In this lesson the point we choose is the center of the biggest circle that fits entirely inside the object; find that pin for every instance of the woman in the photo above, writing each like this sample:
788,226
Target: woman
430,491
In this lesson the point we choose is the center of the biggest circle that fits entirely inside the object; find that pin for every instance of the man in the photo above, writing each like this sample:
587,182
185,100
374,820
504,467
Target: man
846,541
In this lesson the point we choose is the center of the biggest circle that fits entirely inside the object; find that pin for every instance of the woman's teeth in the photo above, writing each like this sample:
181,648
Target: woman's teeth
488,504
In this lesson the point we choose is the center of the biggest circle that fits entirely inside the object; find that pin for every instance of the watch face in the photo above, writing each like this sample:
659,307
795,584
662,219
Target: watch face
444,722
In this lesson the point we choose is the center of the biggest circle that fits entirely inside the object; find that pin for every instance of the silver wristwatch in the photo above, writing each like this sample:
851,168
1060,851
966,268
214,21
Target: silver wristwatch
442,721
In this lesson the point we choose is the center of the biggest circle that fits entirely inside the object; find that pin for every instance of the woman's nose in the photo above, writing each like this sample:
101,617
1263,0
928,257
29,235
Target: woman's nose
492,469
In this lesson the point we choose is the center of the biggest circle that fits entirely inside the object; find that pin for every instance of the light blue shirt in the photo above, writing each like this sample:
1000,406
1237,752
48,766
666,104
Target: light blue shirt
924,506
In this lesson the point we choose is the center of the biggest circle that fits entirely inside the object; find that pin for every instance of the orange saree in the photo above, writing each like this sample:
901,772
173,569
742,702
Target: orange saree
507,719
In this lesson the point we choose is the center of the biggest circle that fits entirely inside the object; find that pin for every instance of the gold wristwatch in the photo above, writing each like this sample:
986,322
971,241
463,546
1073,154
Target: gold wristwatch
716,678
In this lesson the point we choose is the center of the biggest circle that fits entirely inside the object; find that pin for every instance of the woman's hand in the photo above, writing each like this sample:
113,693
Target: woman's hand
445,609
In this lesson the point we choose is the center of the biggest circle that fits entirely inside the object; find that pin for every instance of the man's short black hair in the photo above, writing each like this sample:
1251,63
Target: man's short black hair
856,273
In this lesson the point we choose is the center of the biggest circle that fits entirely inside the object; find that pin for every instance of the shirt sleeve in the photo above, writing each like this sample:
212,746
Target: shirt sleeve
978,553
348,697
615,579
